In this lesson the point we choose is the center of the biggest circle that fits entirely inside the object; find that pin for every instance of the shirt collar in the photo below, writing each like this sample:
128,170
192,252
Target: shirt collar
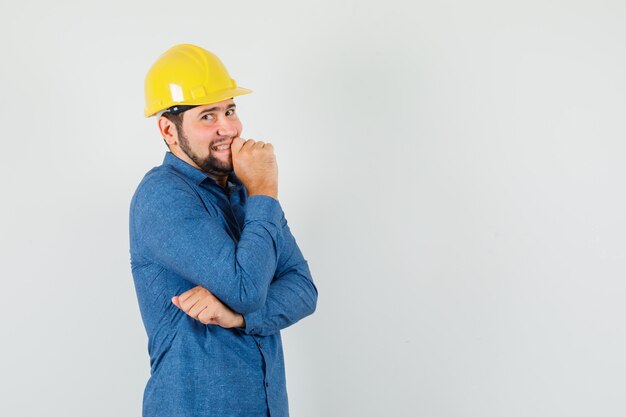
196,175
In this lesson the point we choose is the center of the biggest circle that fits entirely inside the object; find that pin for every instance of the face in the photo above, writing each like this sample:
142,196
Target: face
206,134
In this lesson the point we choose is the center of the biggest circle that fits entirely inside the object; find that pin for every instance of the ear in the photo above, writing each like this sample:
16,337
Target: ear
168,130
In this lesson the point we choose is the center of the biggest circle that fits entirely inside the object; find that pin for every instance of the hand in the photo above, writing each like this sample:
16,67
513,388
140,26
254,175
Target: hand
200,304
255,165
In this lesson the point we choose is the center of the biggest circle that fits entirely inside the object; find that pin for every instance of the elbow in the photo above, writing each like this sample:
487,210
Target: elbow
312,300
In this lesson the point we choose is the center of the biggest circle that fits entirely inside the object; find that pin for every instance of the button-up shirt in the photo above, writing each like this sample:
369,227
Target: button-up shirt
187,230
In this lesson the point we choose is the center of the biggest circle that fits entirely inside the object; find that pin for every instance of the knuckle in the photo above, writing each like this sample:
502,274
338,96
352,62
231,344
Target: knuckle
208,319
204,318
198,313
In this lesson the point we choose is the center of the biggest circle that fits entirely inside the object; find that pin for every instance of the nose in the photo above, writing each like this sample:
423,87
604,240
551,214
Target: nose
227,127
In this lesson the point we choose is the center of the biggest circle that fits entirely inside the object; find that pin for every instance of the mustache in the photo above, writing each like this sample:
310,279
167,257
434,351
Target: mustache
224,140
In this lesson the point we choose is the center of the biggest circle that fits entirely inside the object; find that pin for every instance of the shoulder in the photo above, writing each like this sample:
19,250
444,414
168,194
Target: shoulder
163,185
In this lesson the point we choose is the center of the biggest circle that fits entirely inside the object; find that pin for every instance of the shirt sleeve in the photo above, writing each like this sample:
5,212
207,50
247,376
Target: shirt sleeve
175,230
291,296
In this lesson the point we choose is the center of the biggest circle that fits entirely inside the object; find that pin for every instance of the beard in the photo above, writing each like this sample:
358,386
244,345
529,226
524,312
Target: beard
210,164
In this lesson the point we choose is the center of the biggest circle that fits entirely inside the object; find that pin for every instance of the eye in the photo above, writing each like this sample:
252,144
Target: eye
207,116
230,112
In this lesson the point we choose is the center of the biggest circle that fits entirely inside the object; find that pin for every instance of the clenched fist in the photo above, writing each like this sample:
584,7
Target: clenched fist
200,304
255,165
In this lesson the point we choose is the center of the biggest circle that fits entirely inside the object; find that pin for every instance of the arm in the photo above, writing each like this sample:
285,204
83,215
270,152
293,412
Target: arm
290,297
176,231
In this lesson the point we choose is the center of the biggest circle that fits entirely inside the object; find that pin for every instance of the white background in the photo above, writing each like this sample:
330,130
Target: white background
453,171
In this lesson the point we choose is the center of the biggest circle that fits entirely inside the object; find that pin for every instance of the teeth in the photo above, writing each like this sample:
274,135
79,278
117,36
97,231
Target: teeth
222,147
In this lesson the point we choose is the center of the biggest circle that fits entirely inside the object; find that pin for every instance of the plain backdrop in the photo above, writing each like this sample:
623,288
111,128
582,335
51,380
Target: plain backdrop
452,170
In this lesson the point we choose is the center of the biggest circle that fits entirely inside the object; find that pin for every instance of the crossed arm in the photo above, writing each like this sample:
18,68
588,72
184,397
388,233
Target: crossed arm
260,283
290,297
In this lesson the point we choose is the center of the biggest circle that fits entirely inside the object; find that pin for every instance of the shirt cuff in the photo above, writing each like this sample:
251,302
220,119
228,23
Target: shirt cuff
254,321
264,208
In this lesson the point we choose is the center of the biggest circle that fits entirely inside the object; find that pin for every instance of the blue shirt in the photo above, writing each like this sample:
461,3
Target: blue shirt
187,230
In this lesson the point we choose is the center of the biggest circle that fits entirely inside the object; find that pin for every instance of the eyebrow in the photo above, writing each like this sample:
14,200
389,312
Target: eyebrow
212,109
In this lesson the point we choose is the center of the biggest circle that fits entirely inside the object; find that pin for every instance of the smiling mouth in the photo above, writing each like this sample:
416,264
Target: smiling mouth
220,147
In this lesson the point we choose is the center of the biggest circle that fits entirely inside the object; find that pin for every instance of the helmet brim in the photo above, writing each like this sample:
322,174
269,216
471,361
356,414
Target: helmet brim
214,97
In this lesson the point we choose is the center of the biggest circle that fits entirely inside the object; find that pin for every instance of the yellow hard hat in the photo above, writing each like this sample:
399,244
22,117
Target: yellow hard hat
188,75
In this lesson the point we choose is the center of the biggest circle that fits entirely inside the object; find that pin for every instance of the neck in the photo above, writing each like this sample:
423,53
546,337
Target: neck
221,180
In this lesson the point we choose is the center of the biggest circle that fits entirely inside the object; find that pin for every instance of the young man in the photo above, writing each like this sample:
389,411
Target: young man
217,271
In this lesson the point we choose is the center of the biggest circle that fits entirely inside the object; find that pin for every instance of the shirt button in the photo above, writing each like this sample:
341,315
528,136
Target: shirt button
267,384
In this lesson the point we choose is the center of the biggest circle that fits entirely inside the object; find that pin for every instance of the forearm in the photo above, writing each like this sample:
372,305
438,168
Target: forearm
291,296
288,301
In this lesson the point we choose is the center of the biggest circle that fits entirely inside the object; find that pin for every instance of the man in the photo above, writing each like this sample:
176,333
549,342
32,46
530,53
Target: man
217,271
